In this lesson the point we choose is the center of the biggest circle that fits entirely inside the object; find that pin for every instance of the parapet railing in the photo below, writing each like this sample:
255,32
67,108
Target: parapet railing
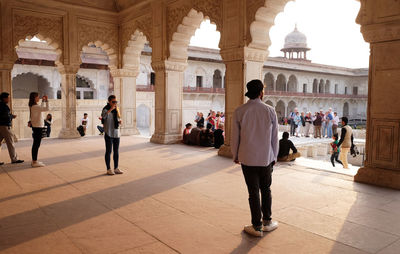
314,95
146,88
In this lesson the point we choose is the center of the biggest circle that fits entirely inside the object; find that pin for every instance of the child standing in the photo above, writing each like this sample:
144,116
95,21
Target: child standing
335,150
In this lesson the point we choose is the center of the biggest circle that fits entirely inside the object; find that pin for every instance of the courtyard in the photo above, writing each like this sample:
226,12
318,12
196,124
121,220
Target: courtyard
180,199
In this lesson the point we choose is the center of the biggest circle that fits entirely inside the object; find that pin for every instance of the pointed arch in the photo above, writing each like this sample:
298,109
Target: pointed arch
292,84
269,82
281,83
315,86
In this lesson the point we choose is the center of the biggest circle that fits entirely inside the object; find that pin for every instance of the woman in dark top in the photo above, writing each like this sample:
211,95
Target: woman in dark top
200,122
47,122
219,136
207,136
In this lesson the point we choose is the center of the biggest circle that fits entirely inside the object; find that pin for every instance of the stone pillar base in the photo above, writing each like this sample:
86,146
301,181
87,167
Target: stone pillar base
129,131
166,139
380,177
225,151
68,134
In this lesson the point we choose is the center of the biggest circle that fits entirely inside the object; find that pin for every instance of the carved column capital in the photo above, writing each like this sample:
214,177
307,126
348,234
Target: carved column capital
381,32
245,54
120,73
68,69
169,66
6,66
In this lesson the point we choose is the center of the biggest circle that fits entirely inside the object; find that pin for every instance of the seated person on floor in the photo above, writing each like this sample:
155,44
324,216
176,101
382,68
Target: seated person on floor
219,136
194,136
284,148
207,136
186,133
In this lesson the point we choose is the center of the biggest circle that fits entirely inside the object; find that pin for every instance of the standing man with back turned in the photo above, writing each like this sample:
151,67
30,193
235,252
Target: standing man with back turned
254,144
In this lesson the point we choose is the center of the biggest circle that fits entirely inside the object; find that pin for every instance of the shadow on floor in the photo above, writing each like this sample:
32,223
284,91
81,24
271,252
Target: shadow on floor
76,210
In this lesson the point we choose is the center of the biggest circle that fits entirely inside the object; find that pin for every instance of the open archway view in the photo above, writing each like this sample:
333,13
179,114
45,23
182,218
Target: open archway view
311,72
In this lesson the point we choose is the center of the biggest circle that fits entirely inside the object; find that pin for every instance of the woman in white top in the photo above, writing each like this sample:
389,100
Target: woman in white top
37,124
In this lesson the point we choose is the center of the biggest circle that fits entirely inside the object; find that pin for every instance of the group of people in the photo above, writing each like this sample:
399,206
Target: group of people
255,145
320,124
201,136
340,148
213,118
110,118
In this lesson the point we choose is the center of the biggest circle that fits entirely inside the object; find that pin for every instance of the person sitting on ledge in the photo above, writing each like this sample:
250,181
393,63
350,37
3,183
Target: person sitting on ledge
186,133
219,136
207,136
284,148
194,138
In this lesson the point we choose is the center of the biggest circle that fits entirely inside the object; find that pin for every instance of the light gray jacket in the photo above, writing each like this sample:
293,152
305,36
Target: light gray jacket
254,140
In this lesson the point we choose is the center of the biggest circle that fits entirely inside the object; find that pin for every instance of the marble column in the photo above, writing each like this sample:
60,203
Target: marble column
125,91
382,164
69,103
168,101
242,66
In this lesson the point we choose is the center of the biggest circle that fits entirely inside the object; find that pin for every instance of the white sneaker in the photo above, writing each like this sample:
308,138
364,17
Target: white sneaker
118,171
36,164
110,172
249,229
270,226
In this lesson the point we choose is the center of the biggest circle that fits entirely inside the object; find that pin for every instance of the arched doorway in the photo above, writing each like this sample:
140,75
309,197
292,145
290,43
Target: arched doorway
315,86
346,109
328,86
292,84
217,79
280,111
321,86
291,106
281,83
269,103
269,82
24,84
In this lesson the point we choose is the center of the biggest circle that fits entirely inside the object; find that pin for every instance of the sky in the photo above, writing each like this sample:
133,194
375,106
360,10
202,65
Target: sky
332,34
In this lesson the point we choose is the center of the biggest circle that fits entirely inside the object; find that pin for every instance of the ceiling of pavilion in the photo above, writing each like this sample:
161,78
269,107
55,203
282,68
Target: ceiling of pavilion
108,5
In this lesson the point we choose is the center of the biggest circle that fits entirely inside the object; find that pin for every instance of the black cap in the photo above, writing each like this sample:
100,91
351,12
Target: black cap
254,88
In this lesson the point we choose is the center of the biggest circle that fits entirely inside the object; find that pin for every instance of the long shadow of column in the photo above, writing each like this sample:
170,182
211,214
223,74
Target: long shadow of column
112,198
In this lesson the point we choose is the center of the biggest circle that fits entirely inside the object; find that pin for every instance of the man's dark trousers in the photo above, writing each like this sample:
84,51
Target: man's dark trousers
259,179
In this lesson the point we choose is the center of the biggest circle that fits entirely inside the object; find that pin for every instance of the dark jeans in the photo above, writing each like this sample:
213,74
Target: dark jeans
37,139
335,156
259,179
293,127
111,143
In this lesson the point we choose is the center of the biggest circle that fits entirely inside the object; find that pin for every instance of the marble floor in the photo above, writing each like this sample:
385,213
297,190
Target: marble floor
181,199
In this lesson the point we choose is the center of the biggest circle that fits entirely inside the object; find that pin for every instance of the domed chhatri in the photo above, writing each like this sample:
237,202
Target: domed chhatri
296,42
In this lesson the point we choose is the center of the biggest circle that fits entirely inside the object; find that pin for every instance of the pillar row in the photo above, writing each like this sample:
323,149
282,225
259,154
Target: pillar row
168,101
125,91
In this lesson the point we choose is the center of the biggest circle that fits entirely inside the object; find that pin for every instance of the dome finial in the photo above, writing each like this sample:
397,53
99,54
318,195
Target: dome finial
295,26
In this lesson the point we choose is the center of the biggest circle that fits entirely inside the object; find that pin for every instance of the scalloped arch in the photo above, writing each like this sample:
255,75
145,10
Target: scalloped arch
133,50
112,55
48,41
